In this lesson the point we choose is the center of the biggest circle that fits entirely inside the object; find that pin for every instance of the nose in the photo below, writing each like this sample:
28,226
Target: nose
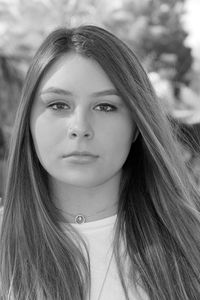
80,127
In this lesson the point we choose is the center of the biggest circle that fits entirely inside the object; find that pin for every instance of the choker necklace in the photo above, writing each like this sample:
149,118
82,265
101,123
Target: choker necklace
81,218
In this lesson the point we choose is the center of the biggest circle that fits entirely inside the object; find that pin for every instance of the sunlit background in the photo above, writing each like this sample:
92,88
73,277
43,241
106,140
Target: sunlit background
163,33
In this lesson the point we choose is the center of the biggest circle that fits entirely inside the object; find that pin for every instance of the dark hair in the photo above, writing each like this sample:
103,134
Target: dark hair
158,214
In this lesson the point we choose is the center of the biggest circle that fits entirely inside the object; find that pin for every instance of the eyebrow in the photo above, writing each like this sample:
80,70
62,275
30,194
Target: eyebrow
55,90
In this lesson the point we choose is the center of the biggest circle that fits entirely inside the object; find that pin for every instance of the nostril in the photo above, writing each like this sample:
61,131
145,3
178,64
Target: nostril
75,133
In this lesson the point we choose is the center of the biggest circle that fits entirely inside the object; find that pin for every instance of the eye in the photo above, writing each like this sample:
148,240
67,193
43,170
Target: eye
106,107
59,106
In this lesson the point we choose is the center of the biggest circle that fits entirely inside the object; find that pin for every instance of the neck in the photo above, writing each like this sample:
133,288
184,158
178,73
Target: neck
94,203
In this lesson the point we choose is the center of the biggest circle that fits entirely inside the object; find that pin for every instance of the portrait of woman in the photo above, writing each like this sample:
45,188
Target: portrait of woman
98,202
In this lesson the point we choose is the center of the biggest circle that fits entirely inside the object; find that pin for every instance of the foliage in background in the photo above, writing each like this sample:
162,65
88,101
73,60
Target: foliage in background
154,29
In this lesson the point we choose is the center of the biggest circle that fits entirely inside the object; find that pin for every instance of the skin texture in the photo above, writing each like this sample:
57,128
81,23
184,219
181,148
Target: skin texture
77,108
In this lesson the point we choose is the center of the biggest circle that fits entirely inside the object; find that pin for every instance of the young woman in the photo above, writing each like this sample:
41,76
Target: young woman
98,202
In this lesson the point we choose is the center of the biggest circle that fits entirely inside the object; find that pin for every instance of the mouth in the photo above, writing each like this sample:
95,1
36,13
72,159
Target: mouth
81,157
80,154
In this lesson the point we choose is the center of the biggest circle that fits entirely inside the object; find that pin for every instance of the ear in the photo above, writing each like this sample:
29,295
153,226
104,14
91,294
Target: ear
136,133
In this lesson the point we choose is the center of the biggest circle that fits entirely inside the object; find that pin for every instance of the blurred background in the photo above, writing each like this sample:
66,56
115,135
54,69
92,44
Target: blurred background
163,33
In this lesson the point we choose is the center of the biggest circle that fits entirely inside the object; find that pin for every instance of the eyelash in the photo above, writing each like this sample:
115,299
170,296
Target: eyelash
106,107
53,105
109,107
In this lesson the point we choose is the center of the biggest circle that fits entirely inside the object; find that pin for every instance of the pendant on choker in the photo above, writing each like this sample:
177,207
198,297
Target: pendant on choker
80,219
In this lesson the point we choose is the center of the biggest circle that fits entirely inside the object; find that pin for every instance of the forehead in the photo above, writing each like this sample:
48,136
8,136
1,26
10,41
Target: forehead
74,71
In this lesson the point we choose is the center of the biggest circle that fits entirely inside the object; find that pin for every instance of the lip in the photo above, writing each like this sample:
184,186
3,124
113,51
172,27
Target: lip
80,154
81,157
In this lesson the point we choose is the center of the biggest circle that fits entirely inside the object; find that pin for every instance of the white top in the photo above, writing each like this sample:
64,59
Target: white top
99,236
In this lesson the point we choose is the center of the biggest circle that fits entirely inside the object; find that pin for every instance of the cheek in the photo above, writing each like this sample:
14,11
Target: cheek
121,147
45,136
118,140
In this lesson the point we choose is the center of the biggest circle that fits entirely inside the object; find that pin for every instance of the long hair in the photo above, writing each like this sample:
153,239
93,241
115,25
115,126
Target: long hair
158,218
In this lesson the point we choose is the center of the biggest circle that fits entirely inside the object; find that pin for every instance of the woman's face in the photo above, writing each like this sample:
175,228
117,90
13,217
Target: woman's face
81,128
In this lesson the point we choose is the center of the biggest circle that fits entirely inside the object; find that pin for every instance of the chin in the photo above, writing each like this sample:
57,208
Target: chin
84,182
